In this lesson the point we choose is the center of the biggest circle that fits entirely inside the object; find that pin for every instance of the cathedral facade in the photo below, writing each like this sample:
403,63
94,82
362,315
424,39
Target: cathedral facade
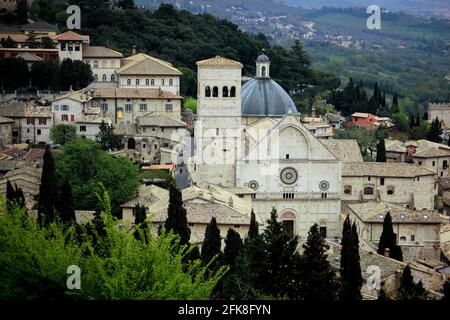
250,136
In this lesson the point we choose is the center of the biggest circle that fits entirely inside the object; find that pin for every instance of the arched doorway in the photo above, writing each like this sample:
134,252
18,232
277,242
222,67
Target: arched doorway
288,221
131,143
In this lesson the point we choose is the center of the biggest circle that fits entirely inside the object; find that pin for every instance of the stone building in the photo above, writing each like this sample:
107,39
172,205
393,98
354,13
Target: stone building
417,231
408,185
5,131
441,111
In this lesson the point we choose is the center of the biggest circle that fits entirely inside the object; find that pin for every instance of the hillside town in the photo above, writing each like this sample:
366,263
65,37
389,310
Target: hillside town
244,156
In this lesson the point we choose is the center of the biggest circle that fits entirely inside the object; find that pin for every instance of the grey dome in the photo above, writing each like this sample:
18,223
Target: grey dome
265,97
262,58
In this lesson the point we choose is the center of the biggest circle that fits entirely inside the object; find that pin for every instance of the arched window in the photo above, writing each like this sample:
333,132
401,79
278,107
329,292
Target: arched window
153,82
95,78
233,92
225,92
95,64
263,72
131,143
215,92
368,190
104,78
113,64
113,78
147,82
104,64
207,91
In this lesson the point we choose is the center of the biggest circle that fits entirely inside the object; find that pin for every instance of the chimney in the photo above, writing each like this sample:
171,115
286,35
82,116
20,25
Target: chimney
133,50
386,252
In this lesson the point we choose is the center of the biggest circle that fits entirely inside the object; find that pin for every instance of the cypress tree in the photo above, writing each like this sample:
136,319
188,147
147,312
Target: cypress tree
47,191
211,244
425,116
14,197
253,229
280,249
233,247
381,151
66,207
176,216
351,277
408,290
382,295
435,132
388,240
412,122
446,290
318,281
417,120
140,223
395,108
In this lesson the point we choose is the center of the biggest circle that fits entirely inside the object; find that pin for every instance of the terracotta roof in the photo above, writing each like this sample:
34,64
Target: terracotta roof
15,153
219,61
346,150
143,64
80,96
8,165
134,93
384,169
375,212
70,36
34,154
40,26
29,57
159,121
17,37
5,120
100,52
432,153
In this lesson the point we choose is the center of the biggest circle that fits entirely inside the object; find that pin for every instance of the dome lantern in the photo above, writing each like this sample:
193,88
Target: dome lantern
262,66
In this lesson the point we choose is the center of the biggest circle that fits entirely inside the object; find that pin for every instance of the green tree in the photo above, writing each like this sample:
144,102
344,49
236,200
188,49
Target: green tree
74,74
446,290
394,107
43,74
253,229
318,281
126,4
188,83
47,43
280,249
388,240
107,138
16,67
211,245
8,43
32,41
140,222
65,205
14,197
191,104
48,192
350,268
176,216
382,295
408,290
22,12
381,151
85,166
233,247
62,133
435,132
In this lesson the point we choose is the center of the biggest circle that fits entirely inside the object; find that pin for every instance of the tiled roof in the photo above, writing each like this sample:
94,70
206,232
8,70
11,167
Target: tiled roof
91,118
143,64
375,212
346,150
80,96
8,165
40,26
34,154
219,61
432,153
15,153
384,169
134,93
100,52
29,57
71,36
159,121
5,120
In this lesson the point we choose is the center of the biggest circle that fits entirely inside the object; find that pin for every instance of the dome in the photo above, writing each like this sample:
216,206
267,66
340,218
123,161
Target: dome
262,58
265,97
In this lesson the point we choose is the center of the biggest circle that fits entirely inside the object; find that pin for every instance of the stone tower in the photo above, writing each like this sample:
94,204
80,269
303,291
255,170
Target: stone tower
218,128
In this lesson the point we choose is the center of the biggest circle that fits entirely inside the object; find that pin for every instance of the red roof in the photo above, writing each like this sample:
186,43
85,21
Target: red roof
70,36
159,166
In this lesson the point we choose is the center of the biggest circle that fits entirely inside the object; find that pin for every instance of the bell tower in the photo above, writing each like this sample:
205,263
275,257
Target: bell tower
263,66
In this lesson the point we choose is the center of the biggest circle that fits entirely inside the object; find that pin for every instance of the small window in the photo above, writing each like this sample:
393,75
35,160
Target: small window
233,92
368,178
420,163
143,107
95,64
64,117
413,237
236,226
128,107
129,82
382,181
56,108
191,224
207,92
113,78
368,190
217,131
38,132
156,146
348,189
152,82
402,238
104,78
137,82
170,82
82,128
287,155
390,192
104,107
324,195
225,92
434,163
169,107
147,82
215,92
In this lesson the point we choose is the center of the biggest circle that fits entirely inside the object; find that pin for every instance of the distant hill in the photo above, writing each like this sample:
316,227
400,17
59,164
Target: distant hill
427,8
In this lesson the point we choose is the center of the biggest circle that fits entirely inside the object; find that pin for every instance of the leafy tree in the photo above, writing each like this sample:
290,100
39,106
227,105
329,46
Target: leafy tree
126,4
85,166
17,67
211,245
435,132
381,151
176,216
48,192
47,43
62,133
408,290
22,12
8,43
350,268
188,83
43,74
191,104
32,41
140,217
65,205
388,240
107,139
74,74
382,295
14,197
318,281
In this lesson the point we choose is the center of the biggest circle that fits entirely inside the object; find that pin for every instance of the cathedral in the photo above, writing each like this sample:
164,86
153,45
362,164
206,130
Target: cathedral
250,137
